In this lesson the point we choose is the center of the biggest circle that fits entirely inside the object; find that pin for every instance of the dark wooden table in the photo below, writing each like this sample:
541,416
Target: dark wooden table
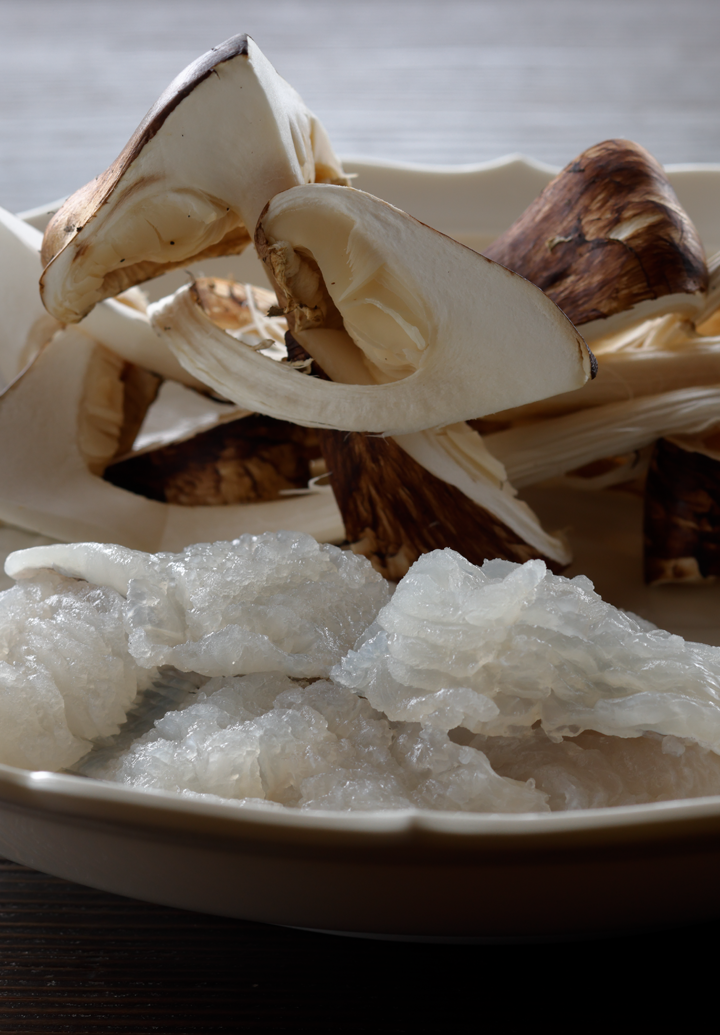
445,82
77,960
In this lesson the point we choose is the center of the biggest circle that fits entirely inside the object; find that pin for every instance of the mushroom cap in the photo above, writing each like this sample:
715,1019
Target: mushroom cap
608,241
225,136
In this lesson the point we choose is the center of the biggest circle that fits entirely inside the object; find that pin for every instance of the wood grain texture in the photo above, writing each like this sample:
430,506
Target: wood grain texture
77,960
413,80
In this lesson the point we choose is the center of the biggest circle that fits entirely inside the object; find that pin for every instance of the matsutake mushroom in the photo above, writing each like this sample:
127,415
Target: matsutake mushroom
609,242
226,135
416,332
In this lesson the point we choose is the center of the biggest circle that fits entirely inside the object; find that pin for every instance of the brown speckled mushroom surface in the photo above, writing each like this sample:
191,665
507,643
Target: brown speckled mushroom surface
606,236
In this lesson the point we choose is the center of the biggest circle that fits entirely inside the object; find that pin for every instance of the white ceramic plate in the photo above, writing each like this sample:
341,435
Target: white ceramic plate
412,873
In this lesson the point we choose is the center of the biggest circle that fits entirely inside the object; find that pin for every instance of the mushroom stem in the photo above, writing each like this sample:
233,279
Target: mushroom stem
395,510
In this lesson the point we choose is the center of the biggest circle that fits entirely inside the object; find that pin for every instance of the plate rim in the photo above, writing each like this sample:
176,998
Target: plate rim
84,800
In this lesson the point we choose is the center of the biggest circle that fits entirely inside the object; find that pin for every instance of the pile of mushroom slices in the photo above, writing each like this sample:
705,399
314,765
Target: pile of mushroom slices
427,381
405,330
379,301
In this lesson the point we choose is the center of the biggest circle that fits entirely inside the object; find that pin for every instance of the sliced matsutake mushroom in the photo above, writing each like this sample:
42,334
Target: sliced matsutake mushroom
422,330
609,242
690,361
226,135
542,450
665,353
61,423
128,333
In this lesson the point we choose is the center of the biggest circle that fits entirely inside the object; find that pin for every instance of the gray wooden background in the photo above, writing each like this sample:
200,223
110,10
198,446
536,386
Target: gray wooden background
439,81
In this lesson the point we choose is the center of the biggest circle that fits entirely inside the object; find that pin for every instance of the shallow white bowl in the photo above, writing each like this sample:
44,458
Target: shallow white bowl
412,873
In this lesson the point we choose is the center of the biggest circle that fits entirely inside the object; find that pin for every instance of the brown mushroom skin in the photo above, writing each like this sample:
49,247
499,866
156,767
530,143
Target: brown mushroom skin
394,510
606,234
242,461
682,516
